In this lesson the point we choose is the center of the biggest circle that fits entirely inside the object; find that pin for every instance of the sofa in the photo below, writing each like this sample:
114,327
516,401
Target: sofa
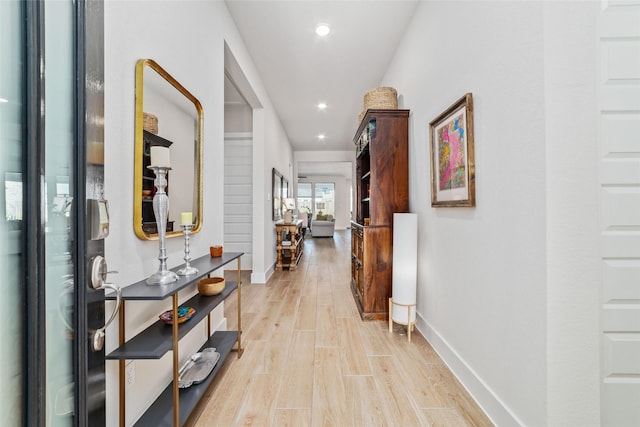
323,226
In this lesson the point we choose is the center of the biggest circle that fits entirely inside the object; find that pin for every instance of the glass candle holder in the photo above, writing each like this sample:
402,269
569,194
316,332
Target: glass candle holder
187,269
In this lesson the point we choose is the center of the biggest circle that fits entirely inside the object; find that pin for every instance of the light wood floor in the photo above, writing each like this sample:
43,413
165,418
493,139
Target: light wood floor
310,361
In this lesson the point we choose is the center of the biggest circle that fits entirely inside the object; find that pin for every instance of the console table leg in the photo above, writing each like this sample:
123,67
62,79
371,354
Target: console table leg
176,390
240,350
122,367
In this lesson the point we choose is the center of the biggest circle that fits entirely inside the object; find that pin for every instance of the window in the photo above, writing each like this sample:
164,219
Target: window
325,198
304,197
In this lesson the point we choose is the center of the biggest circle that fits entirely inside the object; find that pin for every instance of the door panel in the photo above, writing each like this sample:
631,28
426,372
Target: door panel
238,195
620,202
90,160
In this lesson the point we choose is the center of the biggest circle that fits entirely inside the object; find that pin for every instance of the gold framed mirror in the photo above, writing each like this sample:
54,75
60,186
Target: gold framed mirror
167,115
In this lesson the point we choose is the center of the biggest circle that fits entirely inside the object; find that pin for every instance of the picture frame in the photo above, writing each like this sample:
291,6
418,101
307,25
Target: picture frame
285,189
452,156
276,194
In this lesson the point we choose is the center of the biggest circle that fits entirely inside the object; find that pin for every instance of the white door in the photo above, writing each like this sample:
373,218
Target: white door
619,48
238,195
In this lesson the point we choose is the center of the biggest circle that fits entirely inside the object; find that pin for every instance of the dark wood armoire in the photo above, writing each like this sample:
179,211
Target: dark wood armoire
382,189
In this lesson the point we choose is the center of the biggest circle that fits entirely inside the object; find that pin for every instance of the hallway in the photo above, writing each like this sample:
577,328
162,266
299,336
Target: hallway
310,361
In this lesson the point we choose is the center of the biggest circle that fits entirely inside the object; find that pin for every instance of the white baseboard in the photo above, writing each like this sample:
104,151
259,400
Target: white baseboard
261,278
221,326
269,273
258,278
490,403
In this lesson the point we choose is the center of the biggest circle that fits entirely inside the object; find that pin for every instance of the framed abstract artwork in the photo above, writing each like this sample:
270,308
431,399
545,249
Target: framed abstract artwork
452,163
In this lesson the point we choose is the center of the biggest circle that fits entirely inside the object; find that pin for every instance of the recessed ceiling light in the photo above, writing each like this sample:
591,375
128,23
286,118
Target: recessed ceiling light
4,100
321,137
322,30
322,105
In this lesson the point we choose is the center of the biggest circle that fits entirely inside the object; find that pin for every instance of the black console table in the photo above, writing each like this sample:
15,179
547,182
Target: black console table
174,405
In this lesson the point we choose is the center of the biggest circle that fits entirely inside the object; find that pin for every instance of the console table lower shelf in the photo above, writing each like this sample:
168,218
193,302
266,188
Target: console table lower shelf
160,413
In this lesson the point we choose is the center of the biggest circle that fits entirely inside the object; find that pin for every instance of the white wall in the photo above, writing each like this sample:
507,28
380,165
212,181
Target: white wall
573,265
187,39
279,156
238,118
484,272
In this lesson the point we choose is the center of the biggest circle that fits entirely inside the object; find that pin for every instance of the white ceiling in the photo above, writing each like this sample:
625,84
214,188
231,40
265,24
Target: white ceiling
300,69
309,169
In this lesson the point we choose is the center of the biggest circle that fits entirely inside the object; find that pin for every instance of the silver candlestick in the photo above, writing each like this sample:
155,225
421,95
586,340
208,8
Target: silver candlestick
161,209
187,270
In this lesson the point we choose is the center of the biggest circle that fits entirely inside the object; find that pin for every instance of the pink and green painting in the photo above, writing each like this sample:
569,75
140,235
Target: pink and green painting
451,150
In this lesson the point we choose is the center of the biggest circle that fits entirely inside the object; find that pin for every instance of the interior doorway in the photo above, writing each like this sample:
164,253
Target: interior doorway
238,173
242,214
326,186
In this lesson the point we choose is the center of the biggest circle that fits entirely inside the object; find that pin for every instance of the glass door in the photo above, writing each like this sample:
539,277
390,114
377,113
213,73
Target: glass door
60,285
73,145
50,374
12,368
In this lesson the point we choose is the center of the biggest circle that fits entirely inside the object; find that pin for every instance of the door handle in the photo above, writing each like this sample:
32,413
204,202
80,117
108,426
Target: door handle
99,334
98,276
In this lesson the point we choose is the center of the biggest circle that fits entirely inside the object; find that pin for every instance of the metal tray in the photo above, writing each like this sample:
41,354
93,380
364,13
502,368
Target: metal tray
198,367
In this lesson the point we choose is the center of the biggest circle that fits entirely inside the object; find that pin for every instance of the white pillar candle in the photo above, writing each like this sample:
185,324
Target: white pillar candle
186,218
160,156
405,268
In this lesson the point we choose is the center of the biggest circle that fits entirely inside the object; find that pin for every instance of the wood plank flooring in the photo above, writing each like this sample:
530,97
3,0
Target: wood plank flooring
310,361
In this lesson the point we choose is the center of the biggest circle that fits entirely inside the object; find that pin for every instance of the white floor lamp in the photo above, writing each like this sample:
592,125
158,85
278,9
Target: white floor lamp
402,304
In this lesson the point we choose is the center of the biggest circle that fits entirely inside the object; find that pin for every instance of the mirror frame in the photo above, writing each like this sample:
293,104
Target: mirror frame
141,64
